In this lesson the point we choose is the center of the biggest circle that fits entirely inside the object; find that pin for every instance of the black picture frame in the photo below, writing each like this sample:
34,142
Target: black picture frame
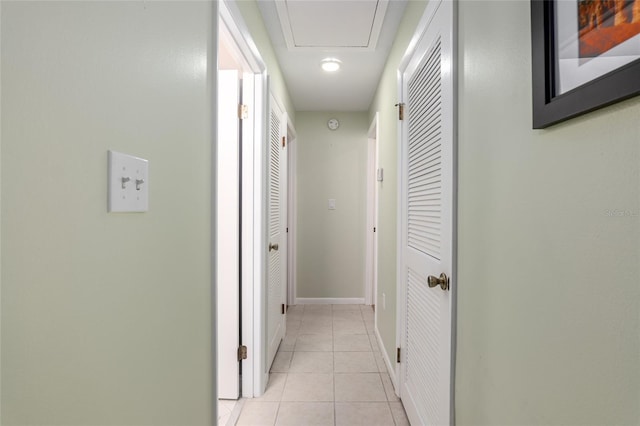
549,108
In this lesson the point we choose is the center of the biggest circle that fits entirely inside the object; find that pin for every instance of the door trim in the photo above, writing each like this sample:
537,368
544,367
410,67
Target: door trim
420,31
292,219
371,257
252,273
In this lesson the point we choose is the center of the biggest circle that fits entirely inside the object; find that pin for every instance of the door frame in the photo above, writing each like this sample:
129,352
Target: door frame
292,220
253,217
371,257
420,31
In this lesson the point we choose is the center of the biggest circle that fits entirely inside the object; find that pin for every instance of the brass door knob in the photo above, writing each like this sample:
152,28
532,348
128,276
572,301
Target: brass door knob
442,281
273,246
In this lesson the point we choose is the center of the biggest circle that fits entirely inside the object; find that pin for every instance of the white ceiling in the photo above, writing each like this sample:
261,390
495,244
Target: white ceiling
357,32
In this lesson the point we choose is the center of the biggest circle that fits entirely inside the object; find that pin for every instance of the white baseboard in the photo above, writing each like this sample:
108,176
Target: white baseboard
390,367
329,301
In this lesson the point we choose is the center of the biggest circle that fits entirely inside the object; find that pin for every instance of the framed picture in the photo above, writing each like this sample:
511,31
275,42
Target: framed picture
585,55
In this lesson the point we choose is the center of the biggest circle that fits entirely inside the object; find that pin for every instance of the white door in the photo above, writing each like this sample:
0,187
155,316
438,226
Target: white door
228,237
427,222
276,222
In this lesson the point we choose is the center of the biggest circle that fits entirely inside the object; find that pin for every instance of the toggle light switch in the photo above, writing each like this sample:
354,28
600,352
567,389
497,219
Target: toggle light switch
123,195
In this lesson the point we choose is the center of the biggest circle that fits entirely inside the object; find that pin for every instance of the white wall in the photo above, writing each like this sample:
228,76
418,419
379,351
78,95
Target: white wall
549,283
331,243
106,318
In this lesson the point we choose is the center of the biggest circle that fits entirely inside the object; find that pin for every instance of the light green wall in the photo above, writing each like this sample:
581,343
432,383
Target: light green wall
253,18
331,243
385,99
549,283
106,318
548,327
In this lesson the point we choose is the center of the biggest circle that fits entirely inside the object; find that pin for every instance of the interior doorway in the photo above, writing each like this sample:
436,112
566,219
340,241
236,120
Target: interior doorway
240,337
375,177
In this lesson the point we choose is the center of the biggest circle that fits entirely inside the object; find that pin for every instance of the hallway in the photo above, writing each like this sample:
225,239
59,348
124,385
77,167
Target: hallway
328,371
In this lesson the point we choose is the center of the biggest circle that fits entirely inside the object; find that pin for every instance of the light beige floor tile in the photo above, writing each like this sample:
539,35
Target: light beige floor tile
314,343
281,362
346,307
318,318
308,387
398,413
374,343
295,308
382,367
343,326
314,327
363,413
224,411
311,362
293,327
258,413
305,413
367,315
317,308
351,343
348,315
287,344
369,325
362,387
317,313
388,387
274,387
354,362
223,419
295,316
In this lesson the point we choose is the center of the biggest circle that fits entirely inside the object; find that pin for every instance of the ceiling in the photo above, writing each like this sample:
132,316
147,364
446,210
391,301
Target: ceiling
359,33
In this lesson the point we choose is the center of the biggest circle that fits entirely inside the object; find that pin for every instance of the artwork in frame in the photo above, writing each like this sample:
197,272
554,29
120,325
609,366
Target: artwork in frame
585,55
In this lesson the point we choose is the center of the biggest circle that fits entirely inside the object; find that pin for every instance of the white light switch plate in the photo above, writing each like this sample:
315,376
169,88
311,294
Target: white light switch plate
128,183
332,204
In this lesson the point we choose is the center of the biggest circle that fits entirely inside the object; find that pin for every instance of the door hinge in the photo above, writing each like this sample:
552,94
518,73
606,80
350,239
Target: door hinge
242,352
287,230
284,309
374,229
284,141
243,111
400,110
398,356
374,307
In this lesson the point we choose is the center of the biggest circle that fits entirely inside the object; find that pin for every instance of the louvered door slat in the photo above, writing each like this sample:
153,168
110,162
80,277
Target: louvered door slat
424,153
275,223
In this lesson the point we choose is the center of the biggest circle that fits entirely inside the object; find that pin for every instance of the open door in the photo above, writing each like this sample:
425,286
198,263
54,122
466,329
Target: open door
427,221
276,223
228,238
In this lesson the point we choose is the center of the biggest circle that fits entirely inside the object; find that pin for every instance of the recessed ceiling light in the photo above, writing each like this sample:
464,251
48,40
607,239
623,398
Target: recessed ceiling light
330,64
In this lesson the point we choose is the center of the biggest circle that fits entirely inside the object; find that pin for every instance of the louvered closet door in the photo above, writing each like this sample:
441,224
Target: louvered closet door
276,257
427,223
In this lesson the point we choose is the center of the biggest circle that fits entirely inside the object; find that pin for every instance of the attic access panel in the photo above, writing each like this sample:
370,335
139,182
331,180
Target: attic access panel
335,25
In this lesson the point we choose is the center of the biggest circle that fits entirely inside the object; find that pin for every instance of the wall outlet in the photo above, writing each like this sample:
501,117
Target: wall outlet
384,301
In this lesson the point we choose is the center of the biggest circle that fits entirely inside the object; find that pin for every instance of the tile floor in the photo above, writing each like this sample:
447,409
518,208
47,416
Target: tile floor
328,371
228,410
